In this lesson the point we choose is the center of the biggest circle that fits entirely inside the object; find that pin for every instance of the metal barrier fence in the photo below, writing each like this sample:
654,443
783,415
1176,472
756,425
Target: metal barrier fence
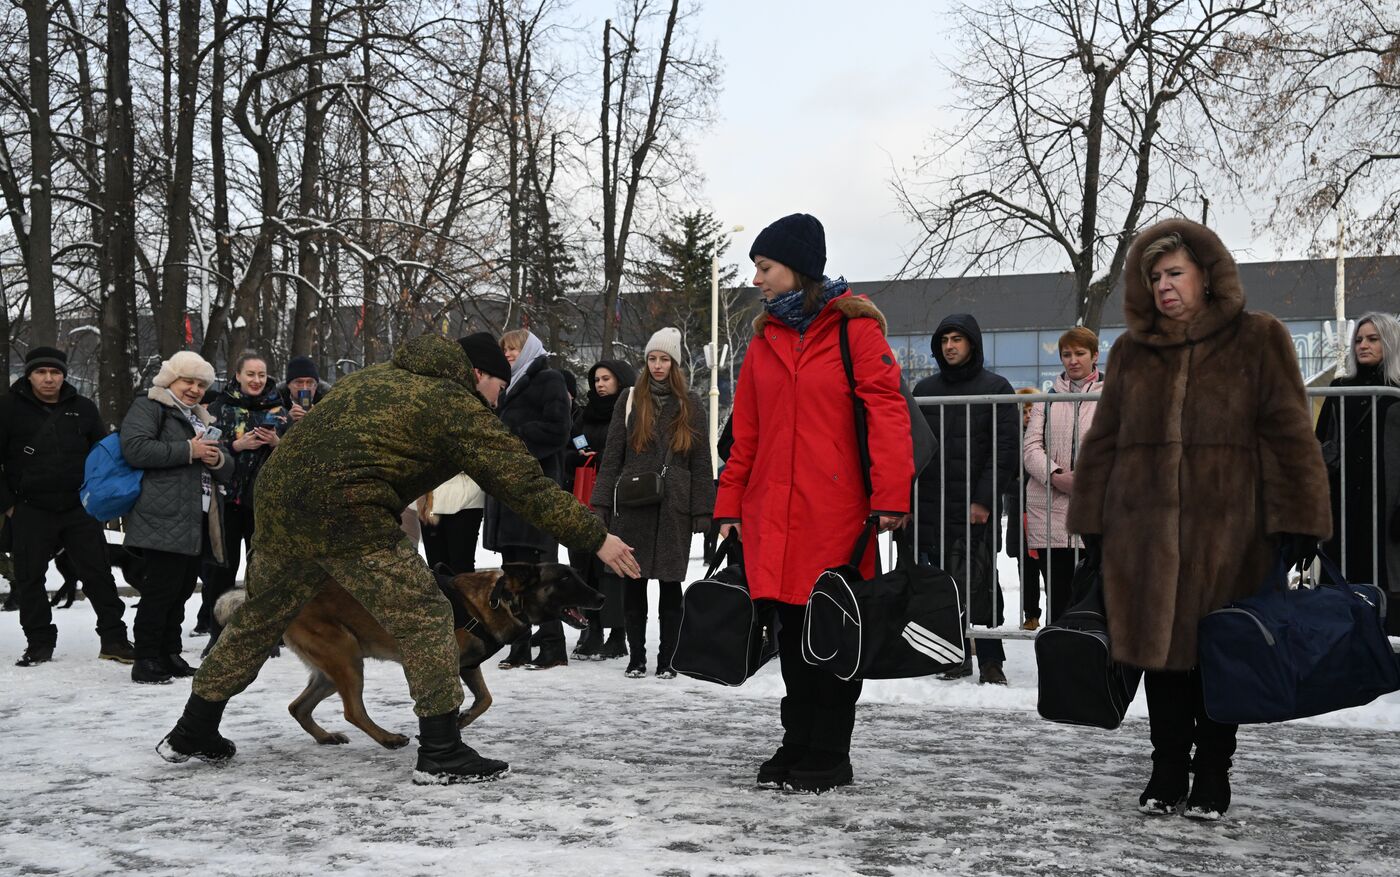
1015,468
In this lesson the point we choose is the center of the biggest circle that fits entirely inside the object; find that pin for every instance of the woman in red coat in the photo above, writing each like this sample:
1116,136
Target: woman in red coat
793,484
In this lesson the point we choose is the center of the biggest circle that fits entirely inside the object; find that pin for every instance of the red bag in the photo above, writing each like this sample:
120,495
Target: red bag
585,477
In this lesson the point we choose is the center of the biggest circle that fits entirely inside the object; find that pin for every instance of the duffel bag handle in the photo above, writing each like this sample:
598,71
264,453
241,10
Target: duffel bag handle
1329,567
729,553
863,540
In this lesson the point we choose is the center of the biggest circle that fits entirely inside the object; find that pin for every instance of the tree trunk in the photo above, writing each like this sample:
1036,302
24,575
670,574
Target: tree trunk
219,320
43,328
170,318
368,323
309,246
116,378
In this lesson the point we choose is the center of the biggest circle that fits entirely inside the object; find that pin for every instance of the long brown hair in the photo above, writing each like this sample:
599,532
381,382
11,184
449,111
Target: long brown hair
645,413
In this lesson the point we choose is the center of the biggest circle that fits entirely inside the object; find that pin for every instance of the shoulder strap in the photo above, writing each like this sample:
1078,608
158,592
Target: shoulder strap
858,409
44,428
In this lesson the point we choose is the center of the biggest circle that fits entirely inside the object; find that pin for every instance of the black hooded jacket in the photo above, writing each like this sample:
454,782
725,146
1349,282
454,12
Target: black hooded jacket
44,463
593,418
967,449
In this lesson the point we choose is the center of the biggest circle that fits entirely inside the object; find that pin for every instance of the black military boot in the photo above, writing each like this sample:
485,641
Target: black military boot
35,655
773,772
819,771
443,758
150,671
178,667
197,735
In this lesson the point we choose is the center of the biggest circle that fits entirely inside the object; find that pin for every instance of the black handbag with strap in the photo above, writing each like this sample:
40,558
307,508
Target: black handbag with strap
725,635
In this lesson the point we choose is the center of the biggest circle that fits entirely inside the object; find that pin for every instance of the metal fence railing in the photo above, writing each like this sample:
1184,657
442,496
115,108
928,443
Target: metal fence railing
1010,408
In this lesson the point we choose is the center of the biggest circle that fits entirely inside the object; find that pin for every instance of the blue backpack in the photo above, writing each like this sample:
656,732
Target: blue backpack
110,485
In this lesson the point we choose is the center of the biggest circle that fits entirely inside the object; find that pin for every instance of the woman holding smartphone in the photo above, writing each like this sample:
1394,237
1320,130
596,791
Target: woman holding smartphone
251,418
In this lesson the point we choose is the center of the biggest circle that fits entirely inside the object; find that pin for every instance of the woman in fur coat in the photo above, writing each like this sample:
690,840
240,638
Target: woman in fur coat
177,517
1200,467
1370,464
657,426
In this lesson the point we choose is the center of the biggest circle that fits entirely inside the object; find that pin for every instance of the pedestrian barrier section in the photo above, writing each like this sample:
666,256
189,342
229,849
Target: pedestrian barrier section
1359,561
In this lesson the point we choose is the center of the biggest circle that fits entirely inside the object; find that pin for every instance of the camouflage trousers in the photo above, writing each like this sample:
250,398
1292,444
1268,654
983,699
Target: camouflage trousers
394,584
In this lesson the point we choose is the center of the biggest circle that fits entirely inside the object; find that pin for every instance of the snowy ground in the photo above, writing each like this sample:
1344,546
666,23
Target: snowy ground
619,776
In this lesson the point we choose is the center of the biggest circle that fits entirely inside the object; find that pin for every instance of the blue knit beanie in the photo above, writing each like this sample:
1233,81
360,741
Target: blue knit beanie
797,241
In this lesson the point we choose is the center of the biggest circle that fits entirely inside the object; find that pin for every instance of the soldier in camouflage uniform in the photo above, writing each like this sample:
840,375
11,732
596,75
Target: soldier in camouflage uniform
328,504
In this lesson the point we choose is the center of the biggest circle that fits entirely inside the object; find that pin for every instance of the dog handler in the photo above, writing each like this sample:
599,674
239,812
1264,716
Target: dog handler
328,504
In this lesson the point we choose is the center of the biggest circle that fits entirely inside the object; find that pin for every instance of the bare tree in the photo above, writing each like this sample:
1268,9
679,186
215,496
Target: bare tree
39,255
1082,123
118,273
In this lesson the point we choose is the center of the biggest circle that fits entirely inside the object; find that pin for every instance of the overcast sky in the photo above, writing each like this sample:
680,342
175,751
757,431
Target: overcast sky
821,102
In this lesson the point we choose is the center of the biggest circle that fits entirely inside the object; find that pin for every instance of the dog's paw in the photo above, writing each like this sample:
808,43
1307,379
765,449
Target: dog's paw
394,741
335,739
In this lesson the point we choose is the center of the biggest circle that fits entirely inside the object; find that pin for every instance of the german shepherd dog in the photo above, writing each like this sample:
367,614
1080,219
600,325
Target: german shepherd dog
333,635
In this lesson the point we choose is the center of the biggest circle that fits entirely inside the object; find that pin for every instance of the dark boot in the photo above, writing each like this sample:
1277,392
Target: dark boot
1166,790
961,671
616,645
774,772
1210,793
590,643
117,648
518,656
35,655
819,771
178,666
197,735
670,631
636,622
150,671
550,656
443,758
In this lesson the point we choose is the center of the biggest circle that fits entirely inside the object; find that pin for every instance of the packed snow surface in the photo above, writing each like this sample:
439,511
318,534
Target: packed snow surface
619,776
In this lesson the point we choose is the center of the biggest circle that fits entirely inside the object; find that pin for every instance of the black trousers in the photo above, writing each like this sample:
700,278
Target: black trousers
1176,715
634,615
818,711
219,580
170,580
452,540
1056,566
38,534
1030,583
550,635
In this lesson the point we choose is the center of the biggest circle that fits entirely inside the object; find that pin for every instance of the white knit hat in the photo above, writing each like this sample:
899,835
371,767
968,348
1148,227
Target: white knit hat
185,364
668,341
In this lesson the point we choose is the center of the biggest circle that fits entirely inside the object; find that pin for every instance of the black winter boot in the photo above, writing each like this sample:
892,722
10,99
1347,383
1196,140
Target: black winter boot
590,643
819,771
1210,793
116,647
636,622
150,671
197,735
1166,790
615,647
443,758
773,772
34,655
178,666
670,632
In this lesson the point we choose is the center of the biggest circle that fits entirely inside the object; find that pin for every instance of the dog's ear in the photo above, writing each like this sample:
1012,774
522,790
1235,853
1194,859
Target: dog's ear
512,583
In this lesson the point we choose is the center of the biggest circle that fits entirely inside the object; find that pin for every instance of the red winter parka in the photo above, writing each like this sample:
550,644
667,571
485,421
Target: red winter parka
793,479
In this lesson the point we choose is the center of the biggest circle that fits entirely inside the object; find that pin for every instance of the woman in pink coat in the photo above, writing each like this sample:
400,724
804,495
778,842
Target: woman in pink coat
793,483
1053,437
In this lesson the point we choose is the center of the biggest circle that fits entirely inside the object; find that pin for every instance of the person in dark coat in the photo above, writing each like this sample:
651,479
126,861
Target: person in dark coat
252,416
537,409
606,380
302,387
1200,469
658,427
1370,514
46,431
956,522
176,519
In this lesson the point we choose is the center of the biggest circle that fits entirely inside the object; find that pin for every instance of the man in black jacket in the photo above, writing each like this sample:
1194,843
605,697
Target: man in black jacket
46,431
981,454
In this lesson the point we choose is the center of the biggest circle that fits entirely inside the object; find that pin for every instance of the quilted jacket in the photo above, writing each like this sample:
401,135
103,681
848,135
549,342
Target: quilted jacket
168,515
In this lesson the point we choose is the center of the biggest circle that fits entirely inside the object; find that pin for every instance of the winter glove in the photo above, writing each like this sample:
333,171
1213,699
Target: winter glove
1298,549
700,524
1062,481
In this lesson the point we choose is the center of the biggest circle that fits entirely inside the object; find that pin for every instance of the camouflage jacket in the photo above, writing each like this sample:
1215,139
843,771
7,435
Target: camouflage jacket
388,434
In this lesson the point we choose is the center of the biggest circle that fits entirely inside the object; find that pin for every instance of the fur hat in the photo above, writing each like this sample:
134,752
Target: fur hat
668,341
185,364
45,357
485,353
302,367
797,241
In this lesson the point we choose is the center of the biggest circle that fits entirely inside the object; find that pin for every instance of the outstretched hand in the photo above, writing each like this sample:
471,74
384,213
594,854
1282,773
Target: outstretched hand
618,557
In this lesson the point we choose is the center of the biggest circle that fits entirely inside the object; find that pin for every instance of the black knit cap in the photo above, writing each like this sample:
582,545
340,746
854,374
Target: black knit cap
302,367
484,350
797,241
45,357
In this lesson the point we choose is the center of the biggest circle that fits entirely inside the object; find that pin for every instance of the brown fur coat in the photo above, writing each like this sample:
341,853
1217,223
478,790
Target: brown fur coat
1201,449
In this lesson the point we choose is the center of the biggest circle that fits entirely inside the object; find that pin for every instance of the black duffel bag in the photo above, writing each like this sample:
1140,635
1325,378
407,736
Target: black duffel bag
1080,683
725,636
899,625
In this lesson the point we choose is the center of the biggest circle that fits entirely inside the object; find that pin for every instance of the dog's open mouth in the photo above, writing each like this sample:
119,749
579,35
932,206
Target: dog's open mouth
574,618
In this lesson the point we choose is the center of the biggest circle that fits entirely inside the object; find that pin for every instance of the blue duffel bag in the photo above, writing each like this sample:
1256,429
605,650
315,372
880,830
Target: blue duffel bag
1285,654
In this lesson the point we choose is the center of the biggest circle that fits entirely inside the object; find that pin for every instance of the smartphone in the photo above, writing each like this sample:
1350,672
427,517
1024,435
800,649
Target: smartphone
304,399
212,433
581,442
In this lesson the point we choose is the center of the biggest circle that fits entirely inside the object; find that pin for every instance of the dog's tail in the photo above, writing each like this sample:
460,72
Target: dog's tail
228,604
